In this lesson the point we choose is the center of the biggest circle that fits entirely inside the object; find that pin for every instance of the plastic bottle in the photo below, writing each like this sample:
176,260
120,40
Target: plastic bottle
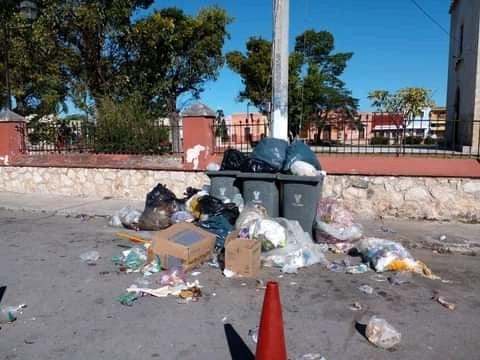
9,314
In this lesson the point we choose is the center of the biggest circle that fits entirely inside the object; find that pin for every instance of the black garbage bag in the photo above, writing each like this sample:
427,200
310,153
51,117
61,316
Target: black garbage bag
160,204
271,151
212,206
257,166
299,151
220,226
232,160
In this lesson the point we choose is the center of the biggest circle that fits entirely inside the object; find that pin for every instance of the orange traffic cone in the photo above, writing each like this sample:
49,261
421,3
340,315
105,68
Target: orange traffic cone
271,340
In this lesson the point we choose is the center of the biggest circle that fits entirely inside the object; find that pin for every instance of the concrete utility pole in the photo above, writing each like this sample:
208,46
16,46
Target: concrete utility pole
279,111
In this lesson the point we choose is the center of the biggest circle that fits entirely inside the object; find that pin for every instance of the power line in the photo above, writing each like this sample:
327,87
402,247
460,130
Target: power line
432,19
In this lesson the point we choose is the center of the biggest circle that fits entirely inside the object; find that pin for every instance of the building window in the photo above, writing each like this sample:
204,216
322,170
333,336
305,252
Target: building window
460,41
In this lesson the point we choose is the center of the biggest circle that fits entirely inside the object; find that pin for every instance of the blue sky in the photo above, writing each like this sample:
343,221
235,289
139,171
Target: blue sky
394,44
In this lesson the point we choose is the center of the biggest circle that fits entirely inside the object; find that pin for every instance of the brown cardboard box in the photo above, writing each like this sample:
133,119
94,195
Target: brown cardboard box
183,245
242,256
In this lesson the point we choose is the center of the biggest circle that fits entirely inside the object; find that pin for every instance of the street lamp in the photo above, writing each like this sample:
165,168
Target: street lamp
29,11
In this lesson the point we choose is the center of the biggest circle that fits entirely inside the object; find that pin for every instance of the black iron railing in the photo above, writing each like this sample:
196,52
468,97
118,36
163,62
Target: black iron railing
88,138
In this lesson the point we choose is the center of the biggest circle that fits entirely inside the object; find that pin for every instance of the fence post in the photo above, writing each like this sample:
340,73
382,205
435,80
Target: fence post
198,137
12,138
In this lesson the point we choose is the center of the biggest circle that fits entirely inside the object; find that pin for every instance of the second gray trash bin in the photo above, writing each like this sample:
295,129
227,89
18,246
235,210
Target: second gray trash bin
261,188
223,184
299,198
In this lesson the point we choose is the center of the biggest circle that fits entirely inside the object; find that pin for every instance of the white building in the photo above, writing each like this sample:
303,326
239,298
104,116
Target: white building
463,93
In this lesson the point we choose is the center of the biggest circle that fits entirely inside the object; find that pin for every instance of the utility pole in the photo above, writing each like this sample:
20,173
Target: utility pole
279,110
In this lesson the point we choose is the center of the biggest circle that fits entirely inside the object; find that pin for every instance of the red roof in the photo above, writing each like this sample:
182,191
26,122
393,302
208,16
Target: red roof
387,120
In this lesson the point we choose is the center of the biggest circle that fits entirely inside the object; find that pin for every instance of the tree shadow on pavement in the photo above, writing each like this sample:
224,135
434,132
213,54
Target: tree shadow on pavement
238,349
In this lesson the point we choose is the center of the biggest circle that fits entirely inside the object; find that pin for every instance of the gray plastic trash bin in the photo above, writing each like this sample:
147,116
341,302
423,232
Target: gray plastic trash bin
299,198
223,184
261,188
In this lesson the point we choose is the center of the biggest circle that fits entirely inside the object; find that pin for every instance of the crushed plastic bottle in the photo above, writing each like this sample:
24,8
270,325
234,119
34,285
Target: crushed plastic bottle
380,333
9,314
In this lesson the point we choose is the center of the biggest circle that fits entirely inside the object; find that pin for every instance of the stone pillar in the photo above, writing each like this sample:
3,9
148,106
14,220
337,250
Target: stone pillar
198,137
12,140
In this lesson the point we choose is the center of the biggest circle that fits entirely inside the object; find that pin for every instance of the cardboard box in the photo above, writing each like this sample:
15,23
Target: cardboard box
242,256
183,245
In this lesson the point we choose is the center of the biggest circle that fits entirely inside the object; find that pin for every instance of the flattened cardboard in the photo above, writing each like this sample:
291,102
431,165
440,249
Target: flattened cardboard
183,245
242,256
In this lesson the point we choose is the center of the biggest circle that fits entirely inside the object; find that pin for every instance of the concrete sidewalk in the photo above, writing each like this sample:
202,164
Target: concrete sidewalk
64,205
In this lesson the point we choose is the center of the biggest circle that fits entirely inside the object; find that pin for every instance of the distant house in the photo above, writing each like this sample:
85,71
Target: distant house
438,117
245,128
463,92
388,126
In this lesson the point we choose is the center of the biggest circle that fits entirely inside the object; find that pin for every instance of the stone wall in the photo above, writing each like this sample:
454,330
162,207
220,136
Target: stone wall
404,197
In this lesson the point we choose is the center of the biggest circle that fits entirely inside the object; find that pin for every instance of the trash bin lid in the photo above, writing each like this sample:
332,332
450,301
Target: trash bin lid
257,176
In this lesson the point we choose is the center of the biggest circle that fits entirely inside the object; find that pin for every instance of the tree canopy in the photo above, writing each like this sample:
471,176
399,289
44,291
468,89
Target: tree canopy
315,87
410,101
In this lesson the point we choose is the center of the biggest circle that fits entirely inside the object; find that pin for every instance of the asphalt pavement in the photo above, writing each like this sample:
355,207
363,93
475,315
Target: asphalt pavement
73,313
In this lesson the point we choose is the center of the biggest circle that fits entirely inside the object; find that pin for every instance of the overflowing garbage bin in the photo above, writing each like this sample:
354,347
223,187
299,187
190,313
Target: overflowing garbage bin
261,188
299,198
224,184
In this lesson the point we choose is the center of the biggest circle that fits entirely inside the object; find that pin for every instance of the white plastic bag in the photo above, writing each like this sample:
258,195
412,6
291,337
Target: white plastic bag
302,168
300,251
335,232
250,214
380,333
269,232
127,217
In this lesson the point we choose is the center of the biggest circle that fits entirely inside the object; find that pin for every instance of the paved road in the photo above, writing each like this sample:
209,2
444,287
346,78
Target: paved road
72,313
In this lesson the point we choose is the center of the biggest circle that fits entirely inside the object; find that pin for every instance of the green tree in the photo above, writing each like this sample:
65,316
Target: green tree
314,77
38,82
410,101
221,130
175,54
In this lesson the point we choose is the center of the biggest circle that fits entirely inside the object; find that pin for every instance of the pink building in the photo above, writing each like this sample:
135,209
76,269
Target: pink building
246,128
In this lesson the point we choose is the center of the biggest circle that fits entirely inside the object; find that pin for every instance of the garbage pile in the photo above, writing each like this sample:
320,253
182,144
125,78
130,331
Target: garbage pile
240,235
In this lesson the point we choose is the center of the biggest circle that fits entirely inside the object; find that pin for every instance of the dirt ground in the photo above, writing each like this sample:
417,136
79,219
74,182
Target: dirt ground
72,312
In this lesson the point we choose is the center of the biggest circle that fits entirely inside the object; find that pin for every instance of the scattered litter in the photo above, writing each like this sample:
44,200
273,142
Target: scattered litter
172,277
244,284
367,289
399,278
185,291
445,281
138,259
280,276
90,257
356,269
293,283
127,217
379,278
443,237
356,306
442,301
311,356
341,247
9,314
387,230
334,223
260,285
224,319
228,273
253,334
127,298
196,273
380,333
387,255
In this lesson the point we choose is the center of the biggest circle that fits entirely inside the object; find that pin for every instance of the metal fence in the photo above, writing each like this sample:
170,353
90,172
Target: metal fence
391,135
242,137
382,135
87,138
